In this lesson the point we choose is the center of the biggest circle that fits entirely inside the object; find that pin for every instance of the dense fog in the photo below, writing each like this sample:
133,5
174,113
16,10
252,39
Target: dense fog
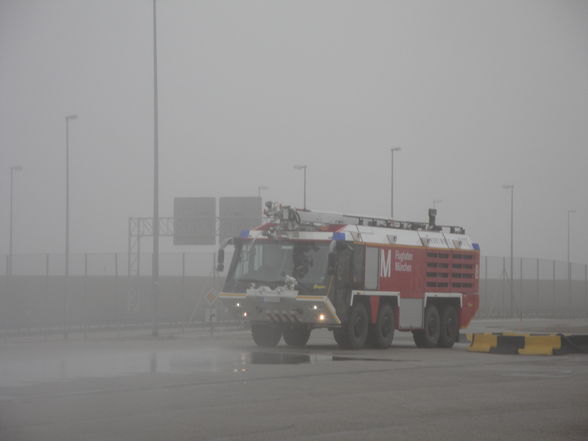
476,94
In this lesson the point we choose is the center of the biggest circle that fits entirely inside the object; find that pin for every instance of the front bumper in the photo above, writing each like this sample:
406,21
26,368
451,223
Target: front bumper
283,308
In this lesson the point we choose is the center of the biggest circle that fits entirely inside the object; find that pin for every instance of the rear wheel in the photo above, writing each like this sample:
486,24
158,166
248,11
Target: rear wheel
266,335
429,336
449,327
296,335
382,332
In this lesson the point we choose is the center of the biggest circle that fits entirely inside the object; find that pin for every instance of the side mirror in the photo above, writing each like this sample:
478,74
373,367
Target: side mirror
332,263
220,260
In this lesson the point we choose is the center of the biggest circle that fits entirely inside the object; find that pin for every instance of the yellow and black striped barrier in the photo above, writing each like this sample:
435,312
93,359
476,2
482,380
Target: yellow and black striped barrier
527,344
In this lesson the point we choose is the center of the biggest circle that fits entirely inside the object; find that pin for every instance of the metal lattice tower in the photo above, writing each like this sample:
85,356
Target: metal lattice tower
140,227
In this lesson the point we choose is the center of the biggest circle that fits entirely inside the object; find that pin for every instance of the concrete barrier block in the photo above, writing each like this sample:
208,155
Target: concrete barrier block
484,342
541,345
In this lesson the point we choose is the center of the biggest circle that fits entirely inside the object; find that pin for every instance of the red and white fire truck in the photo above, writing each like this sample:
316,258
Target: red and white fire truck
361,277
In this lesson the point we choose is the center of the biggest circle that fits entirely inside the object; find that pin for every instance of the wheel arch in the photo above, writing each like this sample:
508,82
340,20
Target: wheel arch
373,301
441,300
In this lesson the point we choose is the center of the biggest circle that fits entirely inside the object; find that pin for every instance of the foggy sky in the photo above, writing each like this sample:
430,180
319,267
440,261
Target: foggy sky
476,93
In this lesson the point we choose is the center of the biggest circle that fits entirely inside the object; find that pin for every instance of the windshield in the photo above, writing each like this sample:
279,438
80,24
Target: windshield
264,262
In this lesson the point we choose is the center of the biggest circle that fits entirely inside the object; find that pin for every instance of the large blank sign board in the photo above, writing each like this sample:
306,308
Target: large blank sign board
195,221
238,213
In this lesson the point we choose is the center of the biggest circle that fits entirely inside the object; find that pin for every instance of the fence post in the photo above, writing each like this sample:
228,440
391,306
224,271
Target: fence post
84,310
570,296
554,302
538,302
46,283
183,288
485,282
521,291
116,302
504,278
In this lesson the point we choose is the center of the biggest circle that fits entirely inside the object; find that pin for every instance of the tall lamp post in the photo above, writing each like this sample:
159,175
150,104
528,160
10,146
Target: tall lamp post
569,261
511,188
569,213
392,150
68,118
155,258
260,188
13,169
303,167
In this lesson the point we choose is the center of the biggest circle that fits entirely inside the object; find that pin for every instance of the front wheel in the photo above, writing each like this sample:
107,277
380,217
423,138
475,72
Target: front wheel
340,335
266,335
429,336
356,328
296,335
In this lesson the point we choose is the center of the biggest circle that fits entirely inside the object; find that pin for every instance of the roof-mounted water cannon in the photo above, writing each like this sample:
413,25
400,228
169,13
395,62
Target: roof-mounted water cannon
283,215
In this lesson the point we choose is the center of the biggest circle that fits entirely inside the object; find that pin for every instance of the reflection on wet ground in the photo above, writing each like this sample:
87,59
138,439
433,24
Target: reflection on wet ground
297,358
76,364
24,362
278,358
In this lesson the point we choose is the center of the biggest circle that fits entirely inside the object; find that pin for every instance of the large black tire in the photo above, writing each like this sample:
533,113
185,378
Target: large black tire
266,335
449,327
340,335
296,335
382,332
357,326
429,336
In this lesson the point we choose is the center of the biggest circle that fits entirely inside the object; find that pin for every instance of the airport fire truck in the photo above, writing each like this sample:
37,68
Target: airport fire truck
361,277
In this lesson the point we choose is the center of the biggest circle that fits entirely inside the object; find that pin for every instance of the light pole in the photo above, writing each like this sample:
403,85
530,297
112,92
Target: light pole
13,169
155,258
435,202
68,118
303,167
569,261
392,150
569,212
260,188
511,188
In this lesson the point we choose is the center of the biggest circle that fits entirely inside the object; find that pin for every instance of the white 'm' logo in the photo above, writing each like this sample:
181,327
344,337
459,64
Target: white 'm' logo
385,263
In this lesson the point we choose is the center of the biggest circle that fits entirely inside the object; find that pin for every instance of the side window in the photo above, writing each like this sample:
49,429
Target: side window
371,267
358,270
343,264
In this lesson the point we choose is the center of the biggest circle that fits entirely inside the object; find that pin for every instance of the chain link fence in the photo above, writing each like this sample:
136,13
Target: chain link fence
536,288
102,291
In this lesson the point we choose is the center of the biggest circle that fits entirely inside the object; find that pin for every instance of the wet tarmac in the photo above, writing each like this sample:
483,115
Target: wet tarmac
30,361
196,387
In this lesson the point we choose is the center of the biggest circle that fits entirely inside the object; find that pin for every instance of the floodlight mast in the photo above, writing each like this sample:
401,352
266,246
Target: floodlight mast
303,167
13,169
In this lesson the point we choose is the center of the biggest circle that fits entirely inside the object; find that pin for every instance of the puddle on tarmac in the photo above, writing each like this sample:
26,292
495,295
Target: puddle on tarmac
278,358
87,364
297,358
